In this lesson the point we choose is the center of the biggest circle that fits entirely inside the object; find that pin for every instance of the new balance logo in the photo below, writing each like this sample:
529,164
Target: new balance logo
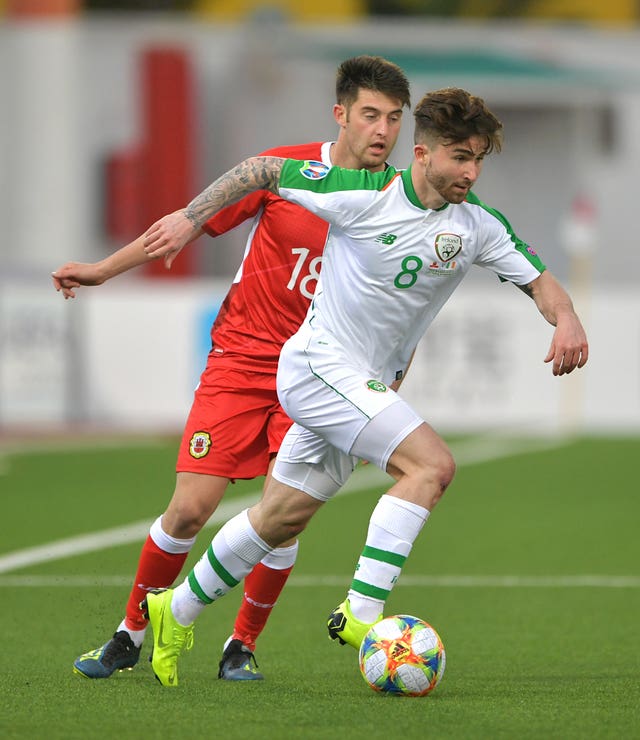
386,238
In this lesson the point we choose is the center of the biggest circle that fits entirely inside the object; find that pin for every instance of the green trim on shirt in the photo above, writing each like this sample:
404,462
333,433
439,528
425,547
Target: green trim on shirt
521,246
336,179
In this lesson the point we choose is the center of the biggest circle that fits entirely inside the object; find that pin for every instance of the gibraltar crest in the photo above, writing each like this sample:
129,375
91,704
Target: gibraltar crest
448,246
199,445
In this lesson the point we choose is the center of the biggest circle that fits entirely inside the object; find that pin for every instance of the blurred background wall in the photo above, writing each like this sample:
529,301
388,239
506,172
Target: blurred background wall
114,113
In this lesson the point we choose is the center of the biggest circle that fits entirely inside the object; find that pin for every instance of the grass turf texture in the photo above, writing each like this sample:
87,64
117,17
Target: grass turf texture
522,662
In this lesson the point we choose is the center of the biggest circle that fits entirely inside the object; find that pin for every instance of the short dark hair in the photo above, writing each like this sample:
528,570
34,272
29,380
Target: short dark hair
370,73
452,115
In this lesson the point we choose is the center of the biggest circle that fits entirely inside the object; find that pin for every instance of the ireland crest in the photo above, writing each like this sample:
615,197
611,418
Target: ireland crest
448,246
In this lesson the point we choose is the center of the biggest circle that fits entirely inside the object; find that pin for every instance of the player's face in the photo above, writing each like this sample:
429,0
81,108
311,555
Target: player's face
452,169
369,130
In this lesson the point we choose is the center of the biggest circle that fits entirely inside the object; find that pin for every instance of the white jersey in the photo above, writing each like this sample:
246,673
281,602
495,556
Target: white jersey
390,264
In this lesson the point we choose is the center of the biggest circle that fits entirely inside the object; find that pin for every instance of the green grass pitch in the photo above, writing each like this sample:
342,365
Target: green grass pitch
529,569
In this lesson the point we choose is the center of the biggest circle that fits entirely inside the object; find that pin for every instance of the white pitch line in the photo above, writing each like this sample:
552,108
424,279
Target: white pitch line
135,532
479,449
450,581
482,581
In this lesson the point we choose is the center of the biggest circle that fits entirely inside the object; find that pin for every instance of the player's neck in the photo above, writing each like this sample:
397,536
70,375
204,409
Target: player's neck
339,155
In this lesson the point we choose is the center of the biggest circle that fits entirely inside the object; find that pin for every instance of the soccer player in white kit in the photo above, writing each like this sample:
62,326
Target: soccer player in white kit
399,244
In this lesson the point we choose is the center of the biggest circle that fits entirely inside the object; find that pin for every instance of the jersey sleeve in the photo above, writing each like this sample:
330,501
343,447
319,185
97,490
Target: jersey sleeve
503,251
337,195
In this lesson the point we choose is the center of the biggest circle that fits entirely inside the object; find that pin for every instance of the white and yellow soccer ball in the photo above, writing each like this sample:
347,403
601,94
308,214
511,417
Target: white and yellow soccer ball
403,656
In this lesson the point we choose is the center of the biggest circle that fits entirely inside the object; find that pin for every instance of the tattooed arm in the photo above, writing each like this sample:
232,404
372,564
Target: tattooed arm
172,232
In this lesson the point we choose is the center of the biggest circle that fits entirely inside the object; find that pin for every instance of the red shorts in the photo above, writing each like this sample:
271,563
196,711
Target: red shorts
235,425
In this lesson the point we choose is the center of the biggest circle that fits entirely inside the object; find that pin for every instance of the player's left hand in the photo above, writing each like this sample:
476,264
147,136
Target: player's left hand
166,237
569,347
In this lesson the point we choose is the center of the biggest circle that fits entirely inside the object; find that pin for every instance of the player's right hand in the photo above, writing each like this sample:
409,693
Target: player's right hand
74,274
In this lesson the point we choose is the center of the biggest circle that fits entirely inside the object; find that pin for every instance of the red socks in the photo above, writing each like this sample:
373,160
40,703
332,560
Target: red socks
261,590
156,569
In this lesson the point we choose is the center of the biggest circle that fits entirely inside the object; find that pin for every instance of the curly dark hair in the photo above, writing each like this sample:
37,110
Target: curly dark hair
452,115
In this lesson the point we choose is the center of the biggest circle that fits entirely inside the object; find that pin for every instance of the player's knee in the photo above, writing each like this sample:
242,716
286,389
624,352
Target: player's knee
290,529
285,529
184,519
446,470
437,475
282,513
277,528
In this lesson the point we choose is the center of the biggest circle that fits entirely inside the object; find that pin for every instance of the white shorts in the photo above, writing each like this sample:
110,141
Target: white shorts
340,416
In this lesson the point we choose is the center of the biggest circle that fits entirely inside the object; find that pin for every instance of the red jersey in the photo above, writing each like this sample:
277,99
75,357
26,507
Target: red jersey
271,291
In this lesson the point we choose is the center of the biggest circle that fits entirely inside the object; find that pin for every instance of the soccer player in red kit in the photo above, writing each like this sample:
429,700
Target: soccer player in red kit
236,423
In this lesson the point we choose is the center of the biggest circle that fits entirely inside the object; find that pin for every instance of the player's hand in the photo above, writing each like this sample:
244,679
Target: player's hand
166,237
569,347
74,274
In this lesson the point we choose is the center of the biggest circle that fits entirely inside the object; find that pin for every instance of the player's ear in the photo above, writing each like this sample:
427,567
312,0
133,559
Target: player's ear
421,152
340,114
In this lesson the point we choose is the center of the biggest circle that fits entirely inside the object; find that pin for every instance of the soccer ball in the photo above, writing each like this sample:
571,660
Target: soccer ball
403,656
